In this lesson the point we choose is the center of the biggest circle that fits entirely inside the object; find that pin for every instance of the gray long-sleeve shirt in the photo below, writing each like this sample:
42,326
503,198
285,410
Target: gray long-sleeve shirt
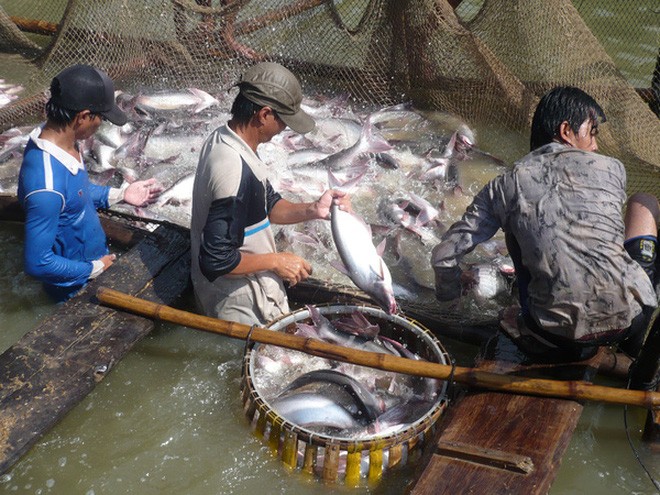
564,208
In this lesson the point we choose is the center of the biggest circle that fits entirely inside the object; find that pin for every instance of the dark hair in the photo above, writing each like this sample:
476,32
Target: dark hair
243,109
59,115
562,104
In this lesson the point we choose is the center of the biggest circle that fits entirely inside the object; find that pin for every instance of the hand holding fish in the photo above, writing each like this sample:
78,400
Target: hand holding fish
330,197
291,268
143,192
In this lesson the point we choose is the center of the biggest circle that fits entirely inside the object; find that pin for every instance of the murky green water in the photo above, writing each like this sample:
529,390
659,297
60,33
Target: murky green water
168,420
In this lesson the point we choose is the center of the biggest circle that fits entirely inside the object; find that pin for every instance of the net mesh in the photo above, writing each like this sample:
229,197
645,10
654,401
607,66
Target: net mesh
488,61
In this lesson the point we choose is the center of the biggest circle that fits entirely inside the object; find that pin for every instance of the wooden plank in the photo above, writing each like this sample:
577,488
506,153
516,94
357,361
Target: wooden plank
503,443
59,362
488,457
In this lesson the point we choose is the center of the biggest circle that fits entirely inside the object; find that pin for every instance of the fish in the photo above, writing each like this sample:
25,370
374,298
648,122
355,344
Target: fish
192,99
335,134
404,212
328,332
103,156
180,193
313,410
357,324
369,142
364,266
491,280
368,407
400,416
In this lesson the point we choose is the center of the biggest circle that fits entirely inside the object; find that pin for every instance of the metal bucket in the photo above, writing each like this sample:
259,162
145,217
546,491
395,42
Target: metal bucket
343,459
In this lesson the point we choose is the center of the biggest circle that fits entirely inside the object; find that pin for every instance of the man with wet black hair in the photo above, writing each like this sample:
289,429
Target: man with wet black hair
65,245
580,268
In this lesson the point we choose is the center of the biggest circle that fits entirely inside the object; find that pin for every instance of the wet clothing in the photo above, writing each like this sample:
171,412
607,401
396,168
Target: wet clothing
560,208
232,198
63,233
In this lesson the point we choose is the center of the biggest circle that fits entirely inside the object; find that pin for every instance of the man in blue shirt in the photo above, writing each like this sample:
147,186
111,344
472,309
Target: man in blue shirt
65,245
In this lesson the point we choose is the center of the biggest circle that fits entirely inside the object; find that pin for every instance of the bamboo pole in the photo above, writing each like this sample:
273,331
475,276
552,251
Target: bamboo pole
576,390
35,26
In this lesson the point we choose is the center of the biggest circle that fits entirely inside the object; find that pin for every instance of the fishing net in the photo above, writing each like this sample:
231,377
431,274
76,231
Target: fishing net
486,61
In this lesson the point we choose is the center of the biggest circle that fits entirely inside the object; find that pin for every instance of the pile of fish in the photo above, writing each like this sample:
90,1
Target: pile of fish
340,399
410,175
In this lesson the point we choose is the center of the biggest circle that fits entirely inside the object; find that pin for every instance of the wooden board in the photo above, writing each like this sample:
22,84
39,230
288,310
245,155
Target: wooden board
494,443
55,365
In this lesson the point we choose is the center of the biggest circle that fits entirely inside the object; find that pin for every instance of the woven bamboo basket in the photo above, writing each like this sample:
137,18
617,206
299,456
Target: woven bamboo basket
337,459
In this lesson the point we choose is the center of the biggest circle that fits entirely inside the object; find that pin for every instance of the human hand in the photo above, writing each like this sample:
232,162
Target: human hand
333,196
142,192
107,260
291,268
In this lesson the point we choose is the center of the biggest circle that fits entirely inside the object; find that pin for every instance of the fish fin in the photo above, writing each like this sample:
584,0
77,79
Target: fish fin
451,145
380,249
345,185
375,142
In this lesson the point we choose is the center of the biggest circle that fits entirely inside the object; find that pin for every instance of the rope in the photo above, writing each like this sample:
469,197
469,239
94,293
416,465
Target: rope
247,348
336,17
656,483
248,341
450,379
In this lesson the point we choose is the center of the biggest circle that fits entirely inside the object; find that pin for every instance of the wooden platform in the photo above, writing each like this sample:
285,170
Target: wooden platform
497,443
55,365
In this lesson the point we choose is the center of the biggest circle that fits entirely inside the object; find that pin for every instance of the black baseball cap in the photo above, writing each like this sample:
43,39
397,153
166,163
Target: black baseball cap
83,87
273,85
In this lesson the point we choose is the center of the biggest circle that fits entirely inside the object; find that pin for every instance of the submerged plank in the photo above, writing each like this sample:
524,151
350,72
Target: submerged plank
490,442
55,365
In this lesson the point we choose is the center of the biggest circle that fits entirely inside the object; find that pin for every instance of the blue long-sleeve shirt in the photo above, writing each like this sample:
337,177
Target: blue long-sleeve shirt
63,233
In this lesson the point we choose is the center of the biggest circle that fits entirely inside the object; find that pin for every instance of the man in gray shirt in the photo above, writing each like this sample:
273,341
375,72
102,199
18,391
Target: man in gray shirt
237,272
580,267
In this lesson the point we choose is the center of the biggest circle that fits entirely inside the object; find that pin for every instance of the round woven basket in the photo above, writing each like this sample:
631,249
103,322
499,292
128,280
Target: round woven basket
339,459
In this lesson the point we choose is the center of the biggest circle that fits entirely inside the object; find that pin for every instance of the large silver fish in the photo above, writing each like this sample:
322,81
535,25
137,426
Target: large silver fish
192,99
361,260
370,142
329,382
313,410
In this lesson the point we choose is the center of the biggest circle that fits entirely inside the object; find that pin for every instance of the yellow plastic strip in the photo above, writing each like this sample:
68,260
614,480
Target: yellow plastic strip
274,438
290,450
375,465
353,462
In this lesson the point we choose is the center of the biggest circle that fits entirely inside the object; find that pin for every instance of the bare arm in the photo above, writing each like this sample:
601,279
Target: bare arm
285,212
